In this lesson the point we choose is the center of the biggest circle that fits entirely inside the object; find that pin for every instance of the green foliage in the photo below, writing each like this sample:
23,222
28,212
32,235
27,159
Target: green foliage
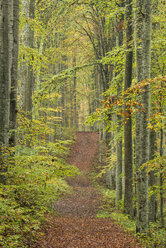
158,165
124,220
35,180
156,236
109,195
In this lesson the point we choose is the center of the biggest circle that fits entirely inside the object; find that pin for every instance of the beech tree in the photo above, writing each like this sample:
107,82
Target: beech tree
14,73
80,59
119,120
128,163
142,185
27,75
8,80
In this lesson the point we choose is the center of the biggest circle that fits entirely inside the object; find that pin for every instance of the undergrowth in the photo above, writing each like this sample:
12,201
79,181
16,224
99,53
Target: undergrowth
156,237
33,178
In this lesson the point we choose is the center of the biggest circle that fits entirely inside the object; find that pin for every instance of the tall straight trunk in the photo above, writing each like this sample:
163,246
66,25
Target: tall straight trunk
30,79
119,119
142,186
152,178
14,73
139,58
97,88
101,143
101,128
71,106
62,112
161,173
27,77
119,156
23,72
75,117
111,149
161,181
108,76
38,79
6,46
128,164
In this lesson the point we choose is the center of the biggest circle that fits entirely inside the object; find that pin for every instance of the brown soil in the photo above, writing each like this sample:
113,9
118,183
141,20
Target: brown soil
84,150
75,225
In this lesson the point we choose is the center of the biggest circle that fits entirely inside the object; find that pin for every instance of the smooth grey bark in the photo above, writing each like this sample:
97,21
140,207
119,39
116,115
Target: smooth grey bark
71,106
23,73
142,178
6,46
128,163
119,167
38,79
139,73
139,58
101,143
152,178
111,150
75,119
30,80
161,181
101,128
119,120
14,73
119,156
161,173
62,112
27,76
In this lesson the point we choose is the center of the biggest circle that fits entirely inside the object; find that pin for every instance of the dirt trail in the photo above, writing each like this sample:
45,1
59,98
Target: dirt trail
76,225
84,150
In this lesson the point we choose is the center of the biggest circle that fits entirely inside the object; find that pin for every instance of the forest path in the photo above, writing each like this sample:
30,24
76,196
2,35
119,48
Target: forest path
76,225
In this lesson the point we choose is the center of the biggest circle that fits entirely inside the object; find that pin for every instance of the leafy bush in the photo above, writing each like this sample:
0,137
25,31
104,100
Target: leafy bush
34,181
156,236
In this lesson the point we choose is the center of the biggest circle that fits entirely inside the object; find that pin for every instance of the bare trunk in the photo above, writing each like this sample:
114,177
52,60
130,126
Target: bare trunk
27,77
119,119
6,47
14,73
128,164
152,178
142,209
161,174
75,117
111,149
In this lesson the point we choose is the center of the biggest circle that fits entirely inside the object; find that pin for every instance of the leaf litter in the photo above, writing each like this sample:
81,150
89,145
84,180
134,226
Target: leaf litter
75,224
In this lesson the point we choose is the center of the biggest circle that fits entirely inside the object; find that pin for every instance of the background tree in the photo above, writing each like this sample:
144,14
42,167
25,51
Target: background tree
128,163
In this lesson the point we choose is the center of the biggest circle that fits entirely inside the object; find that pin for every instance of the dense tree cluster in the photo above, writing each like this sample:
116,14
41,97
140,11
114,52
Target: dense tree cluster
64,61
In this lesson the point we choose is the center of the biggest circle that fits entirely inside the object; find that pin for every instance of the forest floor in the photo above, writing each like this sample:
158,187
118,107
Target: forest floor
76,224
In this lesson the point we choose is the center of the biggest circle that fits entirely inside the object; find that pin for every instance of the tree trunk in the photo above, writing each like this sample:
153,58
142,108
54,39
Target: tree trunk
6,46
142,186
139,58
128,164
75,117
161,182
161,174
119,119
30,79
110,172
14,73
27,72
152,178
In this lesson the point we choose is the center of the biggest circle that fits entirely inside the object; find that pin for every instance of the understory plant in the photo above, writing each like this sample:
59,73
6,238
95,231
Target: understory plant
156,236
34,179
